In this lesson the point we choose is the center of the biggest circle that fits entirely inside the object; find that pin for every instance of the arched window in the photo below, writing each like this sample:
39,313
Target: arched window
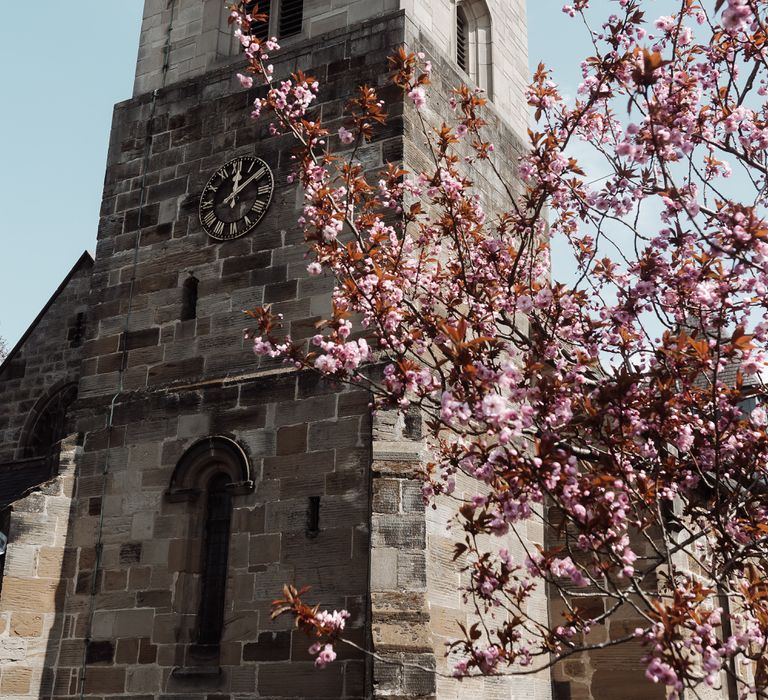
218,513
473,43
47,423
208,475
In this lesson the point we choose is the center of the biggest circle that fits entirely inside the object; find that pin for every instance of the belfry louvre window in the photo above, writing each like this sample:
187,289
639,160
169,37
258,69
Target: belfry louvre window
260,29
215,554
461,40
473,43
284,18
291,15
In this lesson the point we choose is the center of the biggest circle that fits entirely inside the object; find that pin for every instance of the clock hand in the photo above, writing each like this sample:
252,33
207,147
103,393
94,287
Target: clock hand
257,175
236,178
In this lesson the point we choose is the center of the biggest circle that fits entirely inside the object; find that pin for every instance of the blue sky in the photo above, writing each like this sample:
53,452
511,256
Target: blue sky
58,91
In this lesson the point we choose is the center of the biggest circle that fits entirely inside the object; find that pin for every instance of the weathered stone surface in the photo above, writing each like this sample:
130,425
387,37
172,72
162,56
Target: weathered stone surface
134,549
26,624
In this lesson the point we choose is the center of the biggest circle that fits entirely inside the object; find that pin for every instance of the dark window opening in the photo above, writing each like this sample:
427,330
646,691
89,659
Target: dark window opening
561,690
189,298
215,551
291,15
313,516
51,425
259,29
462,36
77,331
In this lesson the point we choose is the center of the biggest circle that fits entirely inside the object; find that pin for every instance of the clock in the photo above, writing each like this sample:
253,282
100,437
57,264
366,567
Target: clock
236,198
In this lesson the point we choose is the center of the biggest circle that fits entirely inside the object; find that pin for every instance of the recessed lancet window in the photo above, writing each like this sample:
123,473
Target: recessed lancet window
215,554
209,477
473,43
189,298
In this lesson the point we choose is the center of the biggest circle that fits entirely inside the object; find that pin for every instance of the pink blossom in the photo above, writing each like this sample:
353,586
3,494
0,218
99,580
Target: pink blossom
346,136
325,654
758,416
245,80
418,96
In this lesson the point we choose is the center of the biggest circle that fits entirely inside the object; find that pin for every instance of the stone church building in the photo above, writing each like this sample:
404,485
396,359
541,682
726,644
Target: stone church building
158,482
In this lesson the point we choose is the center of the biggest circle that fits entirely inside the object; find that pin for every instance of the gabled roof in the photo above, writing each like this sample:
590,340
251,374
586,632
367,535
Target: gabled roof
85,260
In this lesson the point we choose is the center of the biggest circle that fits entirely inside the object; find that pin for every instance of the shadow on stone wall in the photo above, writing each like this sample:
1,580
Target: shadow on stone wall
32,615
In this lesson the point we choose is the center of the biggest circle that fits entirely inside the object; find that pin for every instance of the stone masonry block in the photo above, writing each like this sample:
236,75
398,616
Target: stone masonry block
134,623
27,624
383,568
341,433
386,495
292,440
196,425
401,531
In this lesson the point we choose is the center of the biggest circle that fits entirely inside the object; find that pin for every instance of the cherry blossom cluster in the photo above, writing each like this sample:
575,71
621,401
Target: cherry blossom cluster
621,405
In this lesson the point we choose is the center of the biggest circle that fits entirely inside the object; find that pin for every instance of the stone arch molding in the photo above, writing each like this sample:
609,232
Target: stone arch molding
479,40
212,455
46,423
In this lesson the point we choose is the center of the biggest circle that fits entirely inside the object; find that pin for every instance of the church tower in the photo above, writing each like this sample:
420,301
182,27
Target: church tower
205,478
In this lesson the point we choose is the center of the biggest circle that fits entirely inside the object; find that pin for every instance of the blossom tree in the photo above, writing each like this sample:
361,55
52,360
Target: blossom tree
621,407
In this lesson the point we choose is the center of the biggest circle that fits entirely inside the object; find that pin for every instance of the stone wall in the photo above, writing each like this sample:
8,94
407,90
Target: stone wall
153,385
196,127
201,39
400,611
31,597
168,383
47,357
442,579
303,440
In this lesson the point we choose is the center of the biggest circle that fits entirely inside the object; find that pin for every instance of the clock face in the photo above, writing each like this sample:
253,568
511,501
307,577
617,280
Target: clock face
236,197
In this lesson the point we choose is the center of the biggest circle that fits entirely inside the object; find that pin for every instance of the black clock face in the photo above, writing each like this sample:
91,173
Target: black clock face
236,197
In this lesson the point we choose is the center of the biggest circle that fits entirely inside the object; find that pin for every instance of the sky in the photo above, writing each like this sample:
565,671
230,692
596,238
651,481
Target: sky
58,91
